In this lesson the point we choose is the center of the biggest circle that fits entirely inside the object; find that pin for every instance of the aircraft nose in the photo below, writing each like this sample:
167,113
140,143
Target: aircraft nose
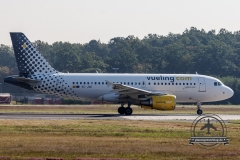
229,92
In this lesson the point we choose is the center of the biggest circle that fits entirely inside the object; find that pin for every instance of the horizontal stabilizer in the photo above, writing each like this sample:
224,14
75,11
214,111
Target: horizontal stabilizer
23,82
28,80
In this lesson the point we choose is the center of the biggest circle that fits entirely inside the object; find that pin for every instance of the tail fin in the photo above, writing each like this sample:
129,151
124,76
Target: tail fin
29,60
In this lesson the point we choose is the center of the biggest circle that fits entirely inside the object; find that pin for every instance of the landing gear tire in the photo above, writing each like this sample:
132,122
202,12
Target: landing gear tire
128,111
199,112
121,110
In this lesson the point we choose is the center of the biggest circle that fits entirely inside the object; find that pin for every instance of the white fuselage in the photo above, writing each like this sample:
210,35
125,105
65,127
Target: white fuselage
154,91
186,87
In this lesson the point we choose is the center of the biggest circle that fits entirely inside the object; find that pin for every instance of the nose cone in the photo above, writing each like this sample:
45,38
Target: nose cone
228,92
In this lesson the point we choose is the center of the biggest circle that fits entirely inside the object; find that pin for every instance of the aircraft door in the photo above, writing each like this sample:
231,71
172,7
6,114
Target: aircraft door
202,84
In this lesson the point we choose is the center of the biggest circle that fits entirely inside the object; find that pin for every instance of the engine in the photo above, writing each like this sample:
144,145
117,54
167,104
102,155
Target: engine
164,102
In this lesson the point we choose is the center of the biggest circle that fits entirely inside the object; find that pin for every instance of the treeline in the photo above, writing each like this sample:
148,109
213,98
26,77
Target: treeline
208,53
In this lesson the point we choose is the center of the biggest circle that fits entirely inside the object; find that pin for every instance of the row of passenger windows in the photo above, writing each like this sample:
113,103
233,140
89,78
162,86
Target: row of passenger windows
133,83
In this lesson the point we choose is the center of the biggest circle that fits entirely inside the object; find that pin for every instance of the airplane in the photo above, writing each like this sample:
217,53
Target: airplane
151,91
208,125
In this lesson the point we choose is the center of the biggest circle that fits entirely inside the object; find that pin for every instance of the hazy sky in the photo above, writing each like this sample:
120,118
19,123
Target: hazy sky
79,21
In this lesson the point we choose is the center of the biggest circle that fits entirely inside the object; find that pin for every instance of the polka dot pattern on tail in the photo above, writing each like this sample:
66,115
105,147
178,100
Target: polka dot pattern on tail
29,60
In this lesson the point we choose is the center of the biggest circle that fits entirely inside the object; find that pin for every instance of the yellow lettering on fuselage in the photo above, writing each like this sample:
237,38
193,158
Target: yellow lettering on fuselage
184,78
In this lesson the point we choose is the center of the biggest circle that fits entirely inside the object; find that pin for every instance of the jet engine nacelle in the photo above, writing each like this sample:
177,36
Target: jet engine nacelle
112,97
164,102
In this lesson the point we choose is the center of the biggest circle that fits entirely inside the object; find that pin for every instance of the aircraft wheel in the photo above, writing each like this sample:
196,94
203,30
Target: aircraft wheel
121,110
199,112
128,111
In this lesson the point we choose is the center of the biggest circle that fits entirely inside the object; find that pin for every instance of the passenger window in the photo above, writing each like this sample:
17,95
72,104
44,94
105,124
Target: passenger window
80,82
176,83
179,83
87,82
95,82
158,83
135,83
215,83
154,83
76,82
143,83
161,83
128,83
165,83
172,83
186,83
139,83
102,82
194,84
84,82
132,83
73,82
149,83
124,83
169,83
98,82
183,84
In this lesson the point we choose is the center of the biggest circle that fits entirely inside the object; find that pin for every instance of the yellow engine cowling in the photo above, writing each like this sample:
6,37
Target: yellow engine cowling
164,102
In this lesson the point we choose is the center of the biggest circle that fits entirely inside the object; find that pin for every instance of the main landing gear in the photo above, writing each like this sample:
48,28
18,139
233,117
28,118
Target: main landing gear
199,111
123,110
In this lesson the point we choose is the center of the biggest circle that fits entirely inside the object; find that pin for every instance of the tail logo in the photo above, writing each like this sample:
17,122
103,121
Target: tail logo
24,46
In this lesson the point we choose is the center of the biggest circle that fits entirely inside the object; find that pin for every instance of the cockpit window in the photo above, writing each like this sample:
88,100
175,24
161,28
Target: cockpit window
217,83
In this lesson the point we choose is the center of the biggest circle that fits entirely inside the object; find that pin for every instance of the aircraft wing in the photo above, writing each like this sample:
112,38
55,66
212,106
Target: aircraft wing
129,90
203,127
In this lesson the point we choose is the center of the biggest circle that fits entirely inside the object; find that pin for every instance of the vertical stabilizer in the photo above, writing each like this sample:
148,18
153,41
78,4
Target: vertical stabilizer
29,60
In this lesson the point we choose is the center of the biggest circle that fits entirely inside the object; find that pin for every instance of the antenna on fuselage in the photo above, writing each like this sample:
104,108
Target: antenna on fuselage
196,73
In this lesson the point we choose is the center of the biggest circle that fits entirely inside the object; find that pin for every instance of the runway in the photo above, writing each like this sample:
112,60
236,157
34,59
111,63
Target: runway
153,117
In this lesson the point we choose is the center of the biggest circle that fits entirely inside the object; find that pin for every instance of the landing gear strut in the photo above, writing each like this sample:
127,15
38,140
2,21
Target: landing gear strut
126,111
199,111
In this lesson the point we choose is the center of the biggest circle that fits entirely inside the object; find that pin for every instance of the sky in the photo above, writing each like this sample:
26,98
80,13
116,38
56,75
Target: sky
80,21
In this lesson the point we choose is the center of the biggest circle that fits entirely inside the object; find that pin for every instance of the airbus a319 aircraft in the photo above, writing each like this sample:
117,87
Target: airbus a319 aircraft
153,91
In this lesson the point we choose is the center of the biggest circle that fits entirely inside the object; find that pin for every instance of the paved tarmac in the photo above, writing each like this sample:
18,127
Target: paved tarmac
154,117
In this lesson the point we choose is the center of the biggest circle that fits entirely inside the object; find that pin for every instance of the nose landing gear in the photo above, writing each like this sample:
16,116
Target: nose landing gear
199,111
126,111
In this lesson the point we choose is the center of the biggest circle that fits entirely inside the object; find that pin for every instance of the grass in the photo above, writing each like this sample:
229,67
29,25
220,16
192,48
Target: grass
112,109
71,139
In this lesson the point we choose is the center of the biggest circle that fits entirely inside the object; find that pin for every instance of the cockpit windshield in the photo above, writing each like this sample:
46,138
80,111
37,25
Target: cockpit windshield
218,84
